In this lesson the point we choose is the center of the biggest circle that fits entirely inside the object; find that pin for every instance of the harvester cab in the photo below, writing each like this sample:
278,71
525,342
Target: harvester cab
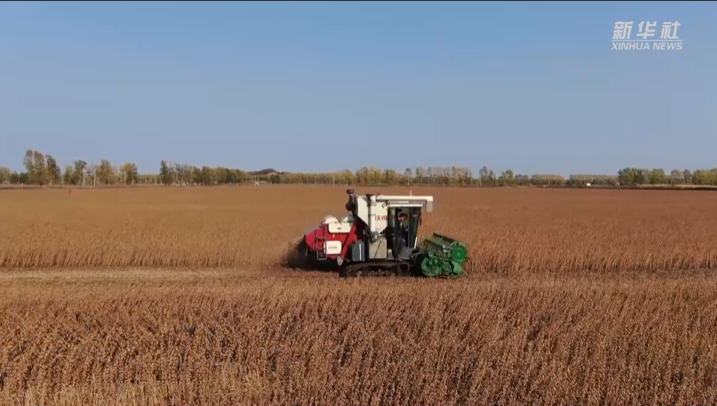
379,237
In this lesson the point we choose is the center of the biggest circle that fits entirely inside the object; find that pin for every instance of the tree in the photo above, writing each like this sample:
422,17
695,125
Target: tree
704,177
164,175
419,175
128,174
347,177
21,178
676,177
5,175
491,177
53,170
177,173
29,161
467,176
188,174
408,175
69,176
627,176
207,176
658,177
484,174
34,163
222,175
643,176
106,173
390,177
362,176
547,180
91,173
196,176
39,173
506,177
79,172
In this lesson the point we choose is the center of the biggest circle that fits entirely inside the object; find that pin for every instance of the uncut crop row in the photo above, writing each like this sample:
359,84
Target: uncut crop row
590,340
507,230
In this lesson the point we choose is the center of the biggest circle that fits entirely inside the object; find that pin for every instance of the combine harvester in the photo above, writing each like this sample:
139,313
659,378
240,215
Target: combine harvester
380,238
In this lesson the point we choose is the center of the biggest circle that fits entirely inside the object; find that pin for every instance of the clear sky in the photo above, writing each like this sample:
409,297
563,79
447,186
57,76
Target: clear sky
533,87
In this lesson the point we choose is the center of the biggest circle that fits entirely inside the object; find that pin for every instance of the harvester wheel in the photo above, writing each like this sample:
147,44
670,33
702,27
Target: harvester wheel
381,269
346,272
303,251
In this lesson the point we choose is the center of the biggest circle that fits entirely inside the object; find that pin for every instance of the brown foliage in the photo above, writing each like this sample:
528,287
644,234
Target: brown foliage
244,331
240,338
507,230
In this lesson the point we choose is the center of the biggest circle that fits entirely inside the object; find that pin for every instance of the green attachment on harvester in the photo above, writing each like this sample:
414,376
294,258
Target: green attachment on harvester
441,256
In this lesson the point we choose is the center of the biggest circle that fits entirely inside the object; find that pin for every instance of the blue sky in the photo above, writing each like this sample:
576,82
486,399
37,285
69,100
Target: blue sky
532,87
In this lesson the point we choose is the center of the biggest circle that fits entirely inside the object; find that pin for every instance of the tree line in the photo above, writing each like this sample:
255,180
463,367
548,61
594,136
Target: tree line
640,176
43,169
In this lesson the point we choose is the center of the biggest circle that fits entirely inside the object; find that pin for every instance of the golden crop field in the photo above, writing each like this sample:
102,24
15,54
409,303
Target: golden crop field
507,230
181,297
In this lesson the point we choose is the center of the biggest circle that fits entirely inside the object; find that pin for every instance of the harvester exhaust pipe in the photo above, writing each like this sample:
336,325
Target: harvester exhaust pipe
372,216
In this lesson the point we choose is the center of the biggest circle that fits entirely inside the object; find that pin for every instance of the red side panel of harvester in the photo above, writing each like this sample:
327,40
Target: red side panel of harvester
316,240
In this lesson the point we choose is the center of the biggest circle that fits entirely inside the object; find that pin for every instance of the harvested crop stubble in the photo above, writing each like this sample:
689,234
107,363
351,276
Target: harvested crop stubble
507,230
215,337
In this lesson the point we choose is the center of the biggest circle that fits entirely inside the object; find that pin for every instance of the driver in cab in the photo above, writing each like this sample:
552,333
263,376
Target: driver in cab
402,228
